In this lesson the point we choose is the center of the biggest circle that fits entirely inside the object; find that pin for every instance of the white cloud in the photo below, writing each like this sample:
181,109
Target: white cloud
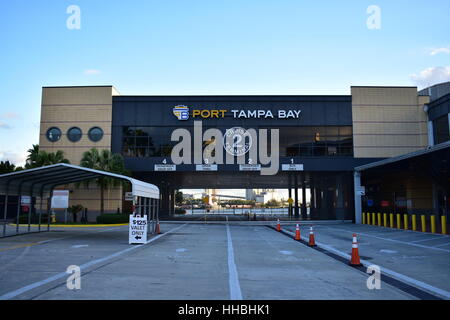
436,51
13,157
4,125
92,72
431,76
9,115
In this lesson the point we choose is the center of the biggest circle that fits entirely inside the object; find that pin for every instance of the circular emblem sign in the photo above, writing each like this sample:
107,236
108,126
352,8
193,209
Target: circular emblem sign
237,141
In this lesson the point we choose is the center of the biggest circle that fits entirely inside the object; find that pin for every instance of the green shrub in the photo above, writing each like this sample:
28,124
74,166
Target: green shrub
112,218
180,211
74,210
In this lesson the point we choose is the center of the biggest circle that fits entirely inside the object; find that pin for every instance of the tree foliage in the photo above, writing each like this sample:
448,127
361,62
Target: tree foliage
38,158
237,202
104,160
179,198
272,203
6,167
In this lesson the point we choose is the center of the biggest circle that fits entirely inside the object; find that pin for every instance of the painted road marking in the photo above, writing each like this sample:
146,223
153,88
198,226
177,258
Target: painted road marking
18,246
392,240
50,240
76,246
58,276
403,231
392,273
429,239
388,251
233,279
442,245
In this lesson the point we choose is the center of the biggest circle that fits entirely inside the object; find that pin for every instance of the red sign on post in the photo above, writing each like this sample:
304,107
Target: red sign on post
384,203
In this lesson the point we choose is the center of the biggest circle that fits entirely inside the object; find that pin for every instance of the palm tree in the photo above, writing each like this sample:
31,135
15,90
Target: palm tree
6,167
56,157
37,158
33,154
104,160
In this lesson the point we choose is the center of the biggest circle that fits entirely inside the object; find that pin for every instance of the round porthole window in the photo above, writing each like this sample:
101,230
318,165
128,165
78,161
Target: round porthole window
95,134
53,134
74,134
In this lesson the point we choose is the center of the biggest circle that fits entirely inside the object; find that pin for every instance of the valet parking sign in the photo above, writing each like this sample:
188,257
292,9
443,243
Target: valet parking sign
137,230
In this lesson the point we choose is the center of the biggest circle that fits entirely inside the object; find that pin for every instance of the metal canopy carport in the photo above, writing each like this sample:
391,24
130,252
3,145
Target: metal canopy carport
433,161
40,182
441,150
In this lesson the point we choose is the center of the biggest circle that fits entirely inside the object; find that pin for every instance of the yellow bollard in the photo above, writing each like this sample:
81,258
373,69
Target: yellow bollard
374,223
433,223
444,224
385,220
391,220
363,218
405,221
424,223
398,221
413,221
379,219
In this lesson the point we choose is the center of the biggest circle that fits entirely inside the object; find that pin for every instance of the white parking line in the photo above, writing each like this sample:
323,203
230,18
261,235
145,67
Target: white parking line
443,245
233,278
75,235
392,240
37,284
429,239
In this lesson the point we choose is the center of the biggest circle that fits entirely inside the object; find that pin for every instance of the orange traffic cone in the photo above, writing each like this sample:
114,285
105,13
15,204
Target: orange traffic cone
297,233
355,253
158,230
278,225
312,242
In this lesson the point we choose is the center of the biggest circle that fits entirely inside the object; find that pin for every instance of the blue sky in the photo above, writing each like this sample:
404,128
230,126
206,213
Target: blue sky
211,47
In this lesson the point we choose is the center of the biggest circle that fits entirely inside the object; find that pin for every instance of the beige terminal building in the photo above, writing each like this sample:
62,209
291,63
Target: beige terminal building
381,149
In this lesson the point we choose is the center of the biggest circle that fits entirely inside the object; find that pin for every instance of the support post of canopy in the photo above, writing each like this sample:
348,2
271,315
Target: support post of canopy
19,194
40,207
6,208
31,206
49,208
